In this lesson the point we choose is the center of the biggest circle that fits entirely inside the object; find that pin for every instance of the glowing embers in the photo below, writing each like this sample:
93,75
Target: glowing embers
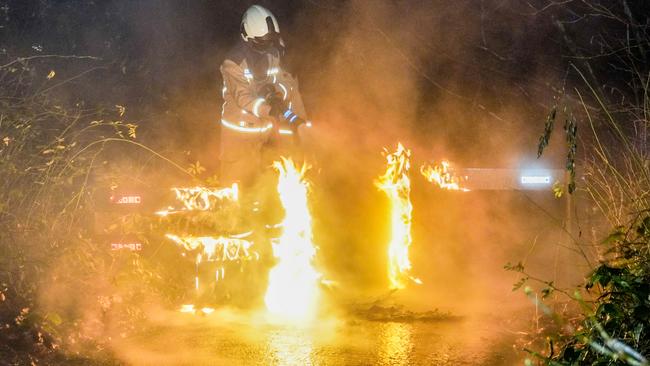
292,290
443,176
201,198
190,309
210,248
396,184
219,249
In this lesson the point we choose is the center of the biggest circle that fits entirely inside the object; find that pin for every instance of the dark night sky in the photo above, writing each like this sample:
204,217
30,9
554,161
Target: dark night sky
492,66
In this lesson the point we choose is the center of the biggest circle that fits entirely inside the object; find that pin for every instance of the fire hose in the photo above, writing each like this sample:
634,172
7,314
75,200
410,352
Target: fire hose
282,112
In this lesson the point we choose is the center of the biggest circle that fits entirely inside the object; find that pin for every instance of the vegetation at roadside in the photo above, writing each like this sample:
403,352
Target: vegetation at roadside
611,98
63,292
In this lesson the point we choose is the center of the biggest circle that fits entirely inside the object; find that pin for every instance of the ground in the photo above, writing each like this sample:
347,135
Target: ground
231,338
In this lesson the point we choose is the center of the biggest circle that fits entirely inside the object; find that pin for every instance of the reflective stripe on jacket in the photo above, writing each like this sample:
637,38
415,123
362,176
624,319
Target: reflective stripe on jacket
245,74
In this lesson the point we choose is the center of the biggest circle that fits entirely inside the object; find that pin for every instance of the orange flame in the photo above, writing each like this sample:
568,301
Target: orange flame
292,291
396,184
189,308
201,198
443,176
219,249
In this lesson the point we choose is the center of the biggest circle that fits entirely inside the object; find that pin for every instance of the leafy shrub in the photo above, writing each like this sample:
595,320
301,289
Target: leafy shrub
615,329
60,288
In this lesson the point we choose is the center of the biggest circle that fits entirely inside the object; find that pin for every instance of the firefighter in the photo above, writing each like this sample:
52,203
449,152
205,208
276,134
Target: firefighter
261,118
262,104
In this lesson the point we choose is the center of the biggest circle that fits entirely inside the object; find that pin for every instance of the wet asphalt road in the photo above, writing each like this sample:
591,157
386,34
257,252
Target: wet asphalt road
225,340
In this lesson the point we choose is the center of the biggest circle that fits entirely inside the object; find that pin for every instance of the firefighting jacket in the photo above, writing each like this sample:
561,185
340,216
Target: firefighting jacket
246,73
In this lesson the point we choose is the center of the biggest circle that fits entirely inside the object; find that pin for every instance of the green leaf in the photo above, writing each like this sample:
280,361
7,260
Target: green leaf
558,190
547,291
548,129
196,169
608,310
519,267
605,275
637,332
617,235
54,318
571,130
519,283
644,227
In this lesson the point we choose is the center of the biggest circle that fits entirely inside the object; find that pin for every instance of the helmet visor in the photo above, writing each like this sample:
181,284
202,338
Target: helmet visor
265,43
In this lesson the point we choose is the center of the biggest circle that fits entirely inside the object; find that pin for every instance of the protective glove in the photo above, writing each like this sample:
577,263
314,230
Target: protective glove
274,100
292,119
278,106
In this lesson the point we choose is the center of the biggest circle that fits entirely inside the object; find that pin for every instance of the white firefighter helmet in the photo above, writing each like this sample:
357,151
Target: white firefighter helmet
260,28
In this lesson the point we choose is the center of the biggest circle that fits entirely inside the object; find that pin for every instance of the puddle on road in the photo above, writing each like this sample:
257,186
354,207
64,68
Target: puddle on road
290,347
227,342
395,343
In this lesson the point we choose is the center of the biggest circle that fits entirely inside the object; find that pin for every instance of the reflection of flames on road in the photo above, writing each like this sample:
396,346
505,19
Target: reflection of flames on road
443,176
397,186
290,346
395,343
293,282
201,198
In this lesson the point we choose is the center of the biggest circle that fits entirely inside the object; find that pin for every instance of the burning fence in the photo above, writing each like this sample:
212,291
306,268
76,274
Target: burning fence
292,291
443,176
201,198
219,249
396,184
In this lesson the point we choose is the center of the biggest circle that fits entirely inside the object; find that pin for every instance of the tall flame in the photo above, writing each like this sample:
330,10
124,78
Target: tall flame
396,184
443,176
292,291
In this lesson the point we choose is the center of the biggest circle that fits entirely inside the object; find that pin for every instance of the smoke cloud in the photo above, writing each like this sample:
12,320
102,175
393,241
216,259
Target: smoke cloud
469,81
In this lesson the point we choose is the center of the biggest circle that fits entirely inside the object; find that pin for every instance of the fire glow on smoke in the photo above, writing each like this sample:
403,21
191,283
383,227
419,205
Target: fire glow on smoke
292,291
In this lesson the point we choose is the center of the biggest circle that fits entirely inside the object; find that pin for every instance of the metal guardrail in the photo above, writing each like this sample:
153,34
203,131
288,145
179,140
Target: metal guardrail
477,179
